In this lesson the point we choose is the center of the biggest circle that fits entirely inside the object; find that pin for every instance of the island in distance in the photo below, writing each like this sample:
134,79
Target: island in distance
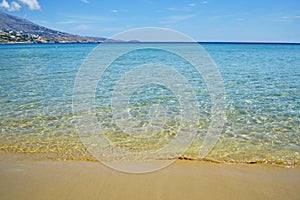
18,30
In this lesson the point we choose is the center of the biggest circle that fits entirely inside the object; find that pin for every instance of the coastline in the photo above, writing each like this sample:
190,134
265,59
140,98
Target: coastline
32,43
183,179
134,42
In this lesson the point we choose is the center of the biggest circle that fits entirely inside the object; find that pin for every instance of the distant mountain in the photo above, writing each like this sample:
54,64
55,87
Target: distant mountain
15,29
13,23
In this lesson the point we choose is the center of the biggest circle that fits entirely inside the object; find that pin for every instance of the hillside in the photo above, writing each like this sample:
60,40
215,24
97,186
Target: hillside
17,30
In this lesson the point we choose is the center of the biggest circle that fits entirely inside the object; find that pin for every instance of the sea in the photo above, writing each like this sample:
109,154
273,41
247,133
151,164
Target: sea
262,104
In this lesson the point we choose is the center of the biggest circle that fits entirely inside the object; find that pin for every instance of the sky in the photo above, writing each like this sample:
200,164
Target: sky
203,20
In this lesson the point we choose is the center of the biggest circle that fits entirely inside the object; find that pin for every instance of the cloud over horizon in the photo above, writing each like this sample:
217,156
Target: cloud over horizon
175,18
32,4
15,6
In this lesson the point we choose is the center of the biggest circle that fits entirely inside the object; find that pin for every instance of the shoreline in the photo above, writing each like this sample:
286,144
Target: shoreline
181,180
36,157
139,42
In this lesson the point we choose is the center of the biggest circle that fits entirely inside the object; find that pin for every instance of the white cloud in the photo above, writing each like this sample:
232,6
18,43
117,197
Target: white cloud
67,22
81,27
172,9
5,5
86,18
204,2
183,9
181,17
85,1
192,4
218,17
32,4
14,6
114,11
288,18
176,18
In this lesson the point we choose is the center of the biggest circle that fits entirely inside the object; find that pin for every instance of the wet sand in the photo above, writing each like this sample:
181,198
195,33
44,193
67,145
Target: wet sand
182,180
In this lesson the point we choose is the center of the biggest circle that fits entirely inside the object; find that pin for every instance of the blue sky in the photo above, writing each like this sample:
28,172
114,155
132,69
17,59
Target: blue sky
203,20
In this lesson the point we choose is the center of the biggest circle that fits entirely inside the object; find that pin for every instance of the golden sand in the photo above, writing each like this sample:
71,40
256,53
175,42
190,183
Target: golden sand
182,180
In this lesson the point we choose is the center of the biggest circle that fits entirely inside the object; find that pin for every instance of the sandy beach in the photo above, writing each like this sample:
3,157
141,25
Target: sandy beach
186,100
181,180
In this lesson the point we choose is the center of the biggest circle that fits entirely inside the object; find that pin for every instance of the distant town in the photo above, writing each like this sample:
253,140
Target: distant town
10,36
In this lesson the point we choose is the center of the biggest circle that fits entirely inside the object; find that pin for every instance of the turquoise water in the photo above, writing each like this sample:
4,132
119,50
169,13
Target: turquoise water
261,82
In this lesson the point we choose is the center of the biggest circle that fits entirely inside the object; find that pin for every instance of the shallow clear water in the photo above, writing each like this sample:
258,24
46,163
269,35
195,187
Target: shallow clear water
262,88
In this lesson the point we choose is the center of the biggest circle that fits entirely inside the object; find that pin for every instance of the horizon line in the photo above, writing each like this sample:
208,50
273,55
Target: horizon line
202,42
